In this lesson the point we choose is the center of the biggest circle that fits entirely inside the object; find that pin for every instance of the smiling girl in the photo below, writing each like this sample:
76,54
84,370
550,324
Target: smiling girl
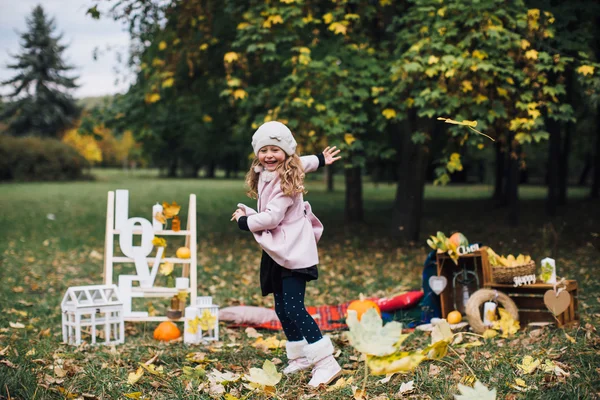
288,232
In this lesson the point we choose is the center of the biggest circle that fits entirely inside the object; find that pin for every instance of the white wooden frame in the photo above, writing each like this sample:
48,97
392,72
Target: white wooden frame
189,265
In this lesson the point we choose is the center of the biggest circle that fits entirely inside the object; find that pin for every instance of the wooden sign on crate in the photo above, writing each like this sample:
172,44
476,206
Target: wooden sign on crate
530,302
476,264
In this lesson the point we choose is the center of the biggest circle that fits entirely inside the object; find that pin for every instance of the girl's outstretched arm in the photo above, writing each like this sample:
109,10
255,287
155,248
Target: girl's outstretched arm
328,157
272,216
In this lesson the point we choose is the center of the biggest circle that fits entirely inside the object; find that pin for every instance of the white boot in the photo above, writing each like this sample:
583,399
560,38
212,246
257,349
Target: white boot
296,359
325,368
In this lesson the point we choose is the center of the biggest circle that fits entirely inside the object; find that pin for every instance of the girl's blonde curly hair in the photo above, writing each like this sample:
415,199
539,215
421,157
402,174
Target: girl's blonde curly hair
290,171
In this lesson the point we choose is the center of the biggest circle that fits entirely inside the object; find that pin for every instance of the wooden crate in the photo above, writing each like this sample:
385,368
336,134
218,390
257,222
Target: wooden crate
445,267
530,302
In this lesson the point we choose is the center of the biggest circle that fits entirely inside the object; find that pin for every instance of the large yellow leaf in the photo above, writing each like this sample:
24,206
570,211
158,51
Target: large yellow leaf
265,376
397,362
369,336
529,364
133,377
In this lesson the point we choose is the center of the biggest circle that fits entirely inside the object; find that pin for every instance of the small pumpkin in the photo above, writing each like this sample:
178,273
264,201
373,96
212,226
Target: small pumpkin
458,239
361,306
454,317
183,252
166,331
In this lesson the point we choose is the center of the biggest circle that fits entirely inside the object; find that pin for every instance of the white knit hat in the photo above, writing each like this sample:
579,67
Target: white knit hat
274,133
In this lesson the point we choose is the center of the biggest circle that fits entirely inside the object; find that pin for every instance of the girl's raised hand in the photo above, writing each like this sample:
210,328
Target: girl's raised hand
330,154
237,214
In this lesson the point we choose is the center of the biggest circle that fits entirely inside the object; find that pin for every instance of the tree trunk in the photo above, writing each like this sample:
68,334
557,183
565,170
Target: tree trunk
553,127
172,172
565,151
354,203
563,168
329,177
512,183
499,195
587,167
595,192
408,205
210,170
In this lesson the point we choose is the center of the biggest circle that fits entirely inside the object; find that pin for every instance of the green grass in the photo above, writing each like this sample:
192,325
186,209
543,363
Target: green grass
40,258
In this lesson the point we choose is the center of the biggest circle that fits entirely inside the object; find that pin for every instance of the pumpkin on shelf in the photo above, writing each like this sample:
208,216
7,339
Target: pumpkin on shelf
183,252
361,306
167,331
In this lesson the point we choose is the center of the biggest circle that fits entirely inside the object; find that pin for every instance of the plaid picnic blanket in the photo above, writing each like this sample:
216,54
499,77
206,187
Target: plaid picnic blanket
329,318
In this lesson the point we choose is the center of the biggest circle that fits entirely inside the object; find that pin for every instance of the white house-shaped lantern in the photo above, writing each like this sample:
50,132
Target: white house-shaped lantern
90,310
201,321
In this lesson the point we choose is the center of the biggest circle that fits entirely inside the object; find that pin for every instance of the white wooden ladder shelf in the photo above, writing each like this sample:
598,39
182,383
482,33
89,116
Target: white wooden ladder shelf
119,224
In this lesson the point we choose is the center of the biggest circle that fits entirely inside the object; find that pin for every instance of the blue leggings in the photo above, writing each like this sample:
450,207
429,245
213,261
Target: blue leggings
289,306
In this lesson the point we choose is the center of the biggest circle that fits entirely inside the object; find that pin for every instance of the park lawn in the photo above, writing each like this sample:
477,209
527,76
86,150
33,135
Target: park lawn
41,257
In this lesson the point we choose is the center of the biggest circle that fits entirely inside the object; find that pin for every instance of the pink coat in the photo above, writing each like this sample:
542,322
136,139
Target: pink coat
285,226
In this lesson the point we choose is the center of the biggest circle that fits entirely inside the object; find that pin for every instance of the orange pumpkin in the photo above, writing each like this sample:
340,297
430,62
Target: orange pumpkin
166,331
361,307
183,252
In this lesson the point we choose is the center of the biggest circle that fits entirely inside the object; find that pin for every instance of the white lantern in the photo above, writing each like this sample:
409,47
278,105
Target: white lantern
201,321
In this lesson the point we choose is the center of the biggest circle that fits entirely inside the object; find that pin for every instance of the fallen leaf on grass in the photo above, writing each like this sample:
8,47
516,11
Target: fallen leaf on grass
223,377
264,377
4,351
8,364
252,333
386,379
478,392
570,338
16,325
59,372
133,377
340,384
151,368
406,388
68,394
269,343
133,395
528,365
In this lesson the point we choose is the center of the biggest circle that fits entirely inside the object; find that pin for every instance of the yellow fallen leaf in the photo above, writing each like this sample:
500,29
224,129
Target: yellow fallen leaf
528,365
133,395
153,369
265,376
570,338
490,333
340,384
133,377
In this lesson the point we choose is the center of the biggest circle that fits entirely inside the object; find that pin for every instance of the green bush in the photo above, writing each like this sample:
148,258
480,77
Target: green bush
37,159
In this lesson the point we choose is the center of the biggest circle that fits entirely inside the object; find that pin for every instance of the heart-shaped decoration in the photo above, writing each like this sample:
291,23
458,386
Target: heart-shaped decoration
438,284
557,304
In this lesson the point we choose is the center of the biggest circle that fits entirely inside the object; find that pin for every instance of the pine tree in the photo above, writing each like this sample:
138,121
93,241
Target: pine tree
40,102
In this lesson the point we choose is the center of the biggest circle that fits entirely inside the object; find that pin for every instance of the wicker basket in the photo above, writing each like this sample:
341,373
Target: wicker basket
503,274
